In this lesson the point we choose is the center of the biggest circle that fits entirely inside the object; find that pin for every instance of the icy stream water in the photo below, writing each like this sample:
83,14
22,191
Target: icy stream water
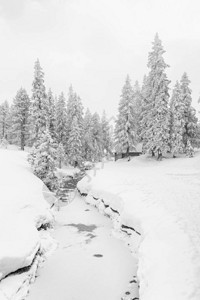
89,263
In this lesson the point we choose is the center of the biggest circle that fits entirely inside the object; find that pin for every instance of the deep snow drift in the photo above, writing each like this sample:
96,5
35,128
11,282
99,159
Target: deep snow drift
22,211
161,201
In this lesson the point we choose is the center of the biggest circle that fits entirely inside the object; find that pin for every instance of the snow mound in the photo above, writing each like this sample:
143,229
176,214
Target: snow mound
161,202
22,211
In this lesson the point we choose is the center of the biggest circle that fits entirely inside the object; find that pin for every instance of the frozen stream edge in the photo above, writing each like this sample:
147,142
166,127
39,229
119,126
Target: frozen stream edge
123,285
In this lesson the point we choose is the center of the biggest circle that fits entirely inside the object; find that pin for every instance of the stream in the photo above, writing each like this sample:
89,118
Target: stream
89,262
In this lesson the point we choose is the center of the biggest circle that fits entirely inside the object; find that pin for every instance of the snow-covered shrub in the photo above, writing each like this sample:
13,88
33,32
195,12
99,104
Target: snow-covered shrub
4,143
189,149
42,160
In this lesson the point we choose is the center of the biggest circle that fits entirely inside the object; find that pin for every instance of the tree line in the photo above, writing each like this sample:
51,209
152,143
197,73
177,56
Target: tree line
58,130
78,136
149,115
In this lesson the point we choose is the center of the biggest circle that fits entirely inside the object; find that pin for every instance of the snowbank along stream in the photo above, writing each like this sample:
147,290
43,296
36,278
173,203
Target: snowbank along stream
89,263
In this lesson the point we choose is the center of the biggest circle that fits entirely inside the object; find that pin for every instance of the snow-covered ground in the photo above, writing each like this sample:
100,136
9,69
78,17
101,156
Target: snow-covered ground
89,263
22,211
161,201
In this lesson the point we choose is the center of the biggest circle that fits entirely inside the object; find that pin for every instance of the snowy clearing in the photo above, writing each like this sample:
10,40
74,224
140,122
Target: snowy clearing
161,201
22,212
89,263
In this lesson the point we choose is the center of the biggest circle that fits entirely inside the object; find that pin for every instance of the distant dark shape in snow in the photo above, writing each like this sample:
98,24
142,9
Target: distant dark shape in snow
90,237
87,209
83,227
98,255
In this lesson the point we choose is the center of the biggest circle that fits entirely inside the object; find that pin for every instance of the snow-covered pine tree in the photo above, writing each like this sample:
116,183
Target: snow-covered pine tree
189,114
4,143
11,136
42,159
39,109
106,136
125,128
137,102
20,126
60,155
177,123
4,123
145,116
97,139
69,118
75,147
87,136
155,110
51,121
74,109
189,150
61,118
197,139
74,116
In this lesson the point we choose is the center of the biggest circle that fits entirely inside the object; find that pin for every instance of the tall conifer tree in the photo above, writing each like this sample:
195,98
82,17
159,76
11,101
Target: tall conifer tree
20,117
106,135
61,119
39,109
177,121
125,129
87,136
155,115
190,118
51,119
4,119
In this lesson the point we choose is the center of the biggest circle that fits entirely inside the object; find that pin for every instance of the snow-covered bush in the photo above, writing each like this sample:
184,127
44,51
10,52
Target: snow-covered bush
42,160
4,143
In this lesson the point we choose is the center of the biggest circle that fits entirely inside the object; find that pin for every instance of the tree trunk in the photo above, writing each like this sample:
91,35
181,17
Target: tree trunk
159,154
22,138
127,153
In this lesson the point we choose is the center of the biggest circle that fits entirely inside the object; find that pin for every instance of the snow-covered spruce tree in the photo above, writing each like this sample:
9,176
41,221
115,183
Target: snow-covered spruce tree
69,112
87,136
97,138
74,109
51,118
11,136
42,159
189,150
197,139
4,122
61,118
125,128
74,116
177,123
75,152
190,118
155,110
145,116
137,102
20,114
60,155
39,108
106,135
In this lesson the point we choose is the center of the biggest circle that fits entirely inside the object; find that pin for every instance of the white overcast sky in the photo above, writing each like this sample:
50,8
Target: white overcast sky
93,44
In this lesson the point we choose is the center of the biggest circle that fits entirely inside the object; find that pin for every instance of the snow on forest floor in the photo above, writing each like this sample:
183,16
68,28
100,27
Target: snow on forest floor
22,212
160,200
89,263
